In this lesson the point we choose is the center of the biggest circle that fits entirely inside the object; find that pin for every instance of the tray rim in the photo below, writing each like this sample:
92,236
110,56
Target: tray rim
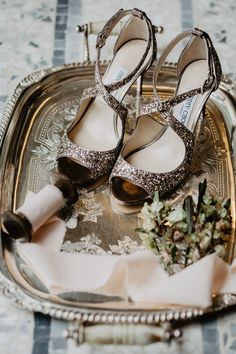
22,297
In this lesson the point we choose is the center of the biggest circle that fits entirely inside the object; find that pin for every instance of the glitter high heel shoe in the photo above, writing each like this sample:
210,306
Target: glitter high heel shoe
152,161
91,145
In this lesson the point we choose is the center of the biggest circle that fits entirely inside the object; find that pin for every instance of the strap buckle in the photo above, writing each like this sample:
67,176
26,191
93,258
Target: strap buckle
197,32
101,40
138,13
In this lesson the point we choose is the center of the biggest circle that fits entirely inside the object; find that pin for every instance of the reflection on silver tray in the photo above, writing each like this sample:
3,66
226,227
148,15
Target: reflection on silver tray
42,107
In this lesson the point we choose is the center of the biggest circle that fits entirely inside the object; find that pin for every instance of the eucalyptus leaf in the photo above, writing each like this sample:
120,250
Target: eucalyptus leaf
139,229
201,192
189,209
173,252
226,204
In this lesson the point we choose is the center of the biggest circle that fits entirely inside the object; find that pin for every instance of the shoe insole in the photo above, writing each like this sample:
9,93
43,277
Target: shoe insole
95,130
168,152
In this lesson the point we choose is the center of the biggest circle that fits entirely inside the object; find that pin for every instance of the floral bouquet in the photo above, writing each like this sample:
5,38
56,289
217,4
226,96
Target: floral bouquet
180,235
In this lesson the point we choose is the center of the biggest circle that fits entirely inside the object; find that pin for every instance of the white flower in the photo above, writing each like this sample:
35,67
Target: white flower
205,242
146,210
194,255
177,215
156,207
149,225
220,250
181,245
195,198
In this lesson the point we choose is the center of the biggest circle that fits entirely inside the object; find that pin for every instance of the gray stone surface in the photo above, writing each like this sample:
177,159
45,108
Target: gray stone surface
37,34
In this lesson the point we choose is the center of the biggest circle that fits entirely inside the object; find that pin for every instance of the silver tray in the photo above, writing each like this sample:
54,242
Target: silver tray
42,106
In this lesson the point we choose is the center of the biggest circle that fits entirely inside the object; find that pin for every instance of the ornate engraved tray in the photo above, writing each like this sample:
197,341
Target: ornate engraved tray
42,106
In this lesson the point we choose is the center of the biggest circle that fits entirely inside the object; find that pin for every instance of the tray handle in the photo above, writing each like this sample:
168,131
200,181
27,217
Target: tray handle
125,333
96,27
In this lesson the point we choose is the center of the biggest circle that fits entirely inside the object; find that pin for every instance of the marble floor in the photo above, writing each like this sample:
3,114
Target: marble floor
38,34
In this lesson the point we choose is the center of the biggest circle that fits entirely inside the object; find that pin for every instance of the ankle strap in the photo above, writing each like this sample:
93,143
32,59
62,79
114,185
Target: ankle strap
103,35
215,72
106,31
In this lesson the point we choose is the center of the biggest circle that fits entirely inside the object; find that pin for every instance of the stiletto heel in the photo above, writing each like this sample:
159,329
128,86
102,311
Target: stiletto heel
139,85
139,90
91,145
154,160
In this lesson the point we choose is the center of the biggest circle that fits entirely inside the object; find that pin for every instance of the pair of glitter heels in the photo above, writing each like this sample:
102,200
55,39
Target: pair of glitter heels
158,155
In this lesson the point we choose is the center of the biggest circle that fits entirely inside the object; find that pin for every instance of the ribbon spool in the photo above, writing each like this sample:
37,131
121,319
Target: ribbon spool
39,208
